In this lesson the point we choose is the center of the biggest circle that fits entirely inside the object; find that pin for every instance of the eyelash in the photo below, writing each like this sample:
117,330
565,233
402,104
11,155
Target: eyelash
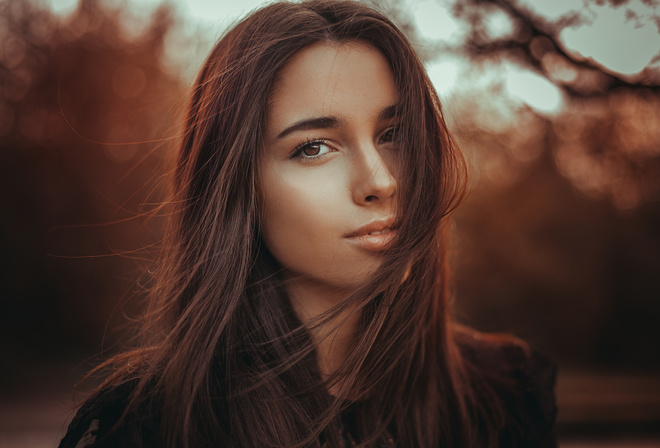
297,152
395,132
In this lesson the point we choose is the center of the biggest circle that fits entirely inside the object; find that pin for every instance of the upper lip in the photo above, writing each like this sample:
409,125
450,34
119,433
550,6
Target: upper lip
374,226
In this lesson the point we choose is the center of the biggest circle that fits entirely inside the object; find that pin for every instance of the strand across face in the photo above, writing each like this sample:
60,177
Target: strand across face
328,168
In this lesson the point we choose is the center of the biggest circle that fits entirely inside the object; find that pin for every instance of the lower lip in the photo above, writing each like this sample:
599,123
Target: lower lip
373,242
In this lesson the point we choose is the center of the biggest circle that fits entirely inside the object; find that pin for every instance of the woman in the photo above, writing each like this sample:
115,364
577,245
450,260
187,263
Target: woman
301,295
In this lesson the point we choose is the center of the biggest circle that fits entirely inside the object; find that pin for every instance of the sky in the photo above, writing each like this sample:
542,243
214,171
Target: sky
623,40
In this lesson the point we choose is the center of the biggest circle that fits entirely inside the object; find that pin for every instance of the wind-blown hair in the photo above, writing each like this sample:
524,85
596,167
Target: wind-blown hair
223,357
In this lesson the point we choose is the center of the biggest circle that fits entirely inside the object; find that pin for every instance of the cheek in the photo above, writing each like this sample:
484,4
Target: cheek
301,216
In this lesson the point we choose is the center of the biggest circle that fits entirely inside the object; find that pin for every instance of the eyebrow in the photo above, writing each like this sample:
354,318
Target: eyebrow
332,122
389,112
311,123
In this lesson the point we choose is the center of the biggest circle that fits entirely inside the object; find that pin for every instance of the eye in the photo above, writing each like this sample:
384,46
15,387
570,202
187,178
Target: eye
390,135
311,149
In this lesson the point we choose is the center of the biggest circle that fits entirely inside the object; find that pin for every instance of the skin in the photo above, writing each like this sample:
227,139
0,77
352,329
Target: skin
313,199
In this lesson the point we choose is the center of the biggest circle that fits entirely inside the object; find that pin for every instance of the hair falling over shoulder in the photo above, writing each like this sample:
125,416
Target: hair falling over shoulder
222,355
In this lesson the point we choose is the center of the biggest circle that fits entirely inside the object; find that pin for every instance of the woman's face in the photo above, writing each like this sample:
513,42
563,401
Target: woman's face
327,174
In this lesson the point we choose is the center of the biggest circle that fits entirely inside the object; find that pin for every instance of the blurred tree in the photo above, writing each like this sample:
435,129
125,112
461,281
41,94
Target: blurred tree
85,111
608,136
534,42
560,239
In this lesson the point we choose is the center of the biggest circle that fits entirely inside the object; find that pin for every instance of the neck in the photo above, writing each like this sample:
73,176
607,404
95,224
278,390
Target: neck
333,337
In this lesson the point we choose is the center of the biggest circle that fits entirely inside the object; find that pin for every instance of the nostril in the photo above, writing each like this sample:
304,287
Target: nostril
370,198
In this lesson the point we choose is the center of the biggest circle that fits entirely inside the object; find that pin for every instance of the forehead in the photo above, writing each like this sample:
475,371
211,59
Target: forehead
351,80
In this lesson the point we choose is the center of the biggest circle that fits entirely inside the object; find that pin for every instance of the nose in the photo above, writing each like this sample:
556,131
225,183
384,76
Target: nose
373,182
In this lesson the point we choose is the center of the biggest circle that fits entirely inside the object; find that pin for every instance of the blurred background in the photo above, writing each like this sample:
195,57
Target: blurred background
556,105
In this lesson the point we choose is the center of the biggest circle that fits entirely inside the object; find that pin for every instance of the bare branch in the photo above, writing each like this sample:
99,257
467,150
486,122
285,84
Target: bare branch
535,40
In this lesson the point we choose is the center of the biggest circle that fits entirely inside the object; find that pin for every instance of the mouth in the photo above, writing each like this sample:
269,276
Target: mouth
375,236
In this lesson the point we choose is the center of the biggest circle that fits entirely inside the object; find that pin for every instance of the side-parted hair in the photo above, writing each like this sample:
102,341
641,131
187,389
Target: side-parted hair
222,356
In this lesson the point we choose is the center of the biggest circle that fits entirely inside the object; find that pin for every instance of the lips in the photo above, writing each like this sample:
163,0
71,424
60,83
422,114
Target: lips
375,236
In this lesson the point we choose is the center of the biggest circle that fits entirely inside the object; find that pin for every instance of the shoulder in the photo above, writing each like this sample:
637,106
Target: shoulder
522,380
506,355
101,421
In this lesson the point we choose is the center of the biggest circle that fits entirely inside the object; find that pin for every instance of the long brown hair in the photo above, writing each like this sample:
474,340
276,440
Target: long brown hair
222,355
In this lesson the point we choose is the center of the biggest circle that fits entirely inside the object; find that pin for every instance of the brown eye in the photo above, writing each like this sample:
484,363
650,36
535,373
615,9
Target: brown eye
311,150
390,135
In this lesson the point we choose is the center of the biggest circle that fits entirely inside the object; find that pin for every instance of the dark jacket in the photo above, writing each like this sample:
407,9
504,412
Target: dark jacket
521,379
